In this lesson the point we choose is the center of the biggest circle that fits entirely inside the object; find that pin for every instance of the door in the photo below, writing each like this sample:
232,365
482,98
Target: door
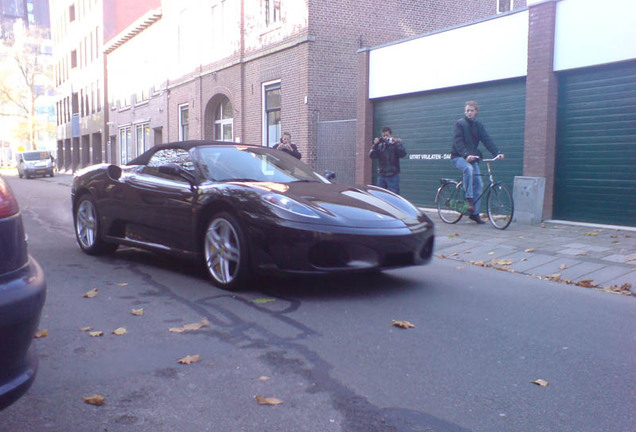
595,178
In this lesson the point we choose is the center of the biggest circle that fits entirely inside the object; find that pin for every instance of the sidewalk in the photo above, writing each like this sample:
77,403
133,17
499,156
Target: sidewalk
590,256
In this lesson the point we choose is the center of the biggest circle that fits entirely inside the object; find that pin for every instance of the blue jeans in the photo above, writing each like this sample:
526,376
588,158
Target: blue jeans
391,183
471,178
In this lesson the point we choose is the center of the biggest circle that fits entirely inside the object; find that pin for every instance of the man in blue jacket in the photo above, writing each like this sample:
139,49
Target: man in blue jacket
465,155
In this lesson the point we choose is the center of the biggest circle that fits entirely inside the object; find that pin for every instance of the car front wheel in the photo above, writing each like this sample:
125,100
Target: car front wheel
225,252
87,230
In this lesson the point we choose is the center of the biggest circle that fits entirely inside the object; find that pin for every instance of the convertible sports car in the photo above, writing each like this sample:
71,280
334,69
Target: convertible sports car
245,210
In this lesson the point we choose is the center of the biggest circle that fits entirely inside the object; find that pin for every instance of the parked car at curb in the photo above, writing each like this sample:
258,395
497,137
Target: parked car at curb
35,163
245,210
22,295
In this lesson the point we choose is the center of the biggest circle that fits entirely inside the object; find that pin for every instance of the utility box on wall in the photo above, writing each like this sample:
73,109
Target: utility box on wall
528,195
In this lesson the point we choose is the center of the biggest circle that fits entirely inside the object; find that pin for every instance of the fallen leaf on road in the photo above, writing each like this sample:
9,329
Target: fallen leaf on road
96,400
92,293
41,333
85,328
501,261
96,333
591,234
263,300
137,312
190,327
582,253
262,400
556,277
480,263
190,359
491,253
264,378
120,331
402,324
540,382
587,283
122,284
530,250
563,266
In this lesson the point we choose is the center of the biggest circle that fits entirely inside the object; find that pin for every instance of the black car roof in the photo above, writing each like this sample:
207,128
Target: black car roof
144,158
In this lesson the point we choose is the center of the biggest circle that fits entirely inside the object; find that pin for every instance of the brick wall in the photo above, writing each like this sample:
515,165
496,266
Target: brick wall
541,100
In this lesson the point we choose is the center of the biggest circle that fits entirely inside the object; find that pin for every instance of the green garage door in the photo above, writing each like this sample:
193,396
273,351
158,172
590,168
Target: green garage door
596,146
425,123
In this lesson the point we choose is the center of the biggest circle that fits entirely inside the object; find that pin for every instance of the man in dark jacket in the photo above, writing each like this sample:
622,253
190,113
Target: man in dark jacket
287,146
388,151
465,155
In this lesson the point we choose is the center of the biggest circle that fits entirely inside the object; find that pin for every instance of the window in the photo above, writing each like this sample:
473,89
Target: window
177,156
142,137
224,121
125,144
271,113
272,12
183,122
504,6
73,59
71,13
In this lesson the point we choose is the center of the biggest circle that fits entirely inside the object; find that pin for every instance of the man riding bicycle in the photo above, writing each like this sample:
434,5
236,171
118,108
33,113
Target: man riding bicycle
465,155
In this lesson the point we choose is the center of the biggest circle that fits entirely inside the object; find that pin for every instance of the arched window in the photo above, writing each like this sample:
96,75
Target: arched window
224,121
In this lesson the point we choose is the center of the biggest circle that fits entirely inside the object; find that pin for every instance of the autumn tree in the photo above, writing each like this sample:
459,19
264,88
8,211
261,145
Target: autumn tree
26,79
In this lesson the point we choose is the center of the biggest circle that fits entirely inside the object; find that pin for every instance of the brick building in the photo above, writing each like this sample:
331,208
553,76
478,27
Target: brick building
245,70
556,84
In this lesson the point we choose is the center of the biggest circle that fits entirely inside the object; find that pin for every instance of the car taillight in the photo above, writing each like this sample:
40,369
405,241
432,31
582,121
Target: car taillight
8,203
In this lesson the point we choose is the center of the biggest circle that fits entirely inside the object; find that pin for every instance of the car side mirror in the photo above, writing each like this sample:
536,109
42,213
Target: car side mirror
330,175
114,172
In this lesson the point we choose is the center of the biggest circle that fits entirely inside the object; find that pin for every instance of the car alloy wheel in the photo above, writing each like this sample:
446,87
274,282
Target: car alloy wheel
225,251
87,229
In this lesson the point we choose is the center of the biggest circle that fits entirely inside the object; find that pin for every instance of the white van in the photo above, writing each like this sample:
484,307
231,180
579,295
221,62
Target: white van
35,163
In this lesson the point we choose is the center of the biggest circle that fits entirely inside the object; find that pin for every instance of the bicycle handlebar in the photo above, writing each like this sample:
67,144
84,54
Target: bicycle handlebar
490,160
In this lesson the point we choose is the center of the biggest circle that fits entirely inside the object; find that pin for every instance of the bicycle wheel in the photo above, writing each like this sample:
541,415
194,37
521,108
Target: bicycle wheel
449,199
500,206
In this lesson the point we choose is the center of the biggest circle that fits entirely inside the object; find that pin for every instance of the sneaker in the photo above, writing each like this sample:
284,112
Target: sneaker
475,217
470,205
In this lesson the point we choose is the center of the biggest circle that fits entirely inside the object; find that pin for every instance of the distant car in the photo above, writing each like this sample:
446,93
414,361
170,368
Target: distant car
22,294
35,163
245,210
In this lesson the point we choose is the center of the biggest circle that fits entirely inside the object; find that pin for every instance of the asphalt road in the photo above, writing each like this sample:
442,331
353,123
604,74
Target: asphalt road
325,347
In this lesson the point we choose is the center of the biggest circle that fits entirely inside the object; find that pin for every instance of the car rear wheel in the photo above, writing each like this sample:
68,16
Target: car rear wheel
225,250
87,230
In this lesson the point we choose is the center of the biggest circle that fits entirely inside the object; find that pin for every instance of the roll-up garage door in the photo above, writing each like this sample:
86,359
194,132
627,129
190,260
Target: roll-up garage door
595,177
425,122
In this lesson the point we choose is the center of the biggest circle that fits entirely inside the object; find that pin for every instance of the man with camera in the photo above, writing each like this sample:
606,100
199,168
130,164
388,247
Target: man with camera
288,146
388,150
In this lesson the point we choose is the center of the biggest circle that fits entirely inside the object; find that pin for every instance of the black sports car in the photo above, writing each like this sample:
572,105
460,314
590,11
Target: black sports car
243,210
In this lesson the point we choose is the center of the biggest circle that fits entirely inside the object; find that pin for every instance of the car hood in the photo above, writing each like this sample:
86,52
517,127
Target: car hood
360,206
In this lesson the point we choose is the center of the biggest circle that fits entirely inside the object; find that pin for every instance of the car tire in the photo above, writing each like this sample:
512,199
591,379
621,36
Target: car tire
87,228
225,251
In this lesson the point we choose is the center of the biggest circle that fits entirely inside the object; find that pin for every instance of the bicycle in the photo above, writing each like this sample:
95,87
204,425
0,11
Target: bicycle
451,203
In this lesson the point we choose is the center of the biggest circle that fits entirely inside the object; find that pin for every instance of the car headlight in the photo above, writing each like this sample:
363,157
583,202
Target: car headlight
290,205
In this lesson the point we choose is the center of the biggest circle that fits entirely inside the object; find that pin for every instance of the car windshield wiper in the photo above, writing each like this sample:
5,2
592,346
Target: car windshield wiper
304,181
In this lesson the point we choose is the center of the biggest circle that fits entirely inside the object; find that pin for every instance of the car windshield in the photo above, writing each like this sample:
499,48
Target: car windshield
34,156
253,164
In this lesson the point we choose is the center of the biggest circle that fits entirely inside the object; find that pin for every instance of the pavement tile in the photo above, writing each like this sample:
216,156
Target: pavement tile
532,262
552,267
629,278
581,271
572,251
622,259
